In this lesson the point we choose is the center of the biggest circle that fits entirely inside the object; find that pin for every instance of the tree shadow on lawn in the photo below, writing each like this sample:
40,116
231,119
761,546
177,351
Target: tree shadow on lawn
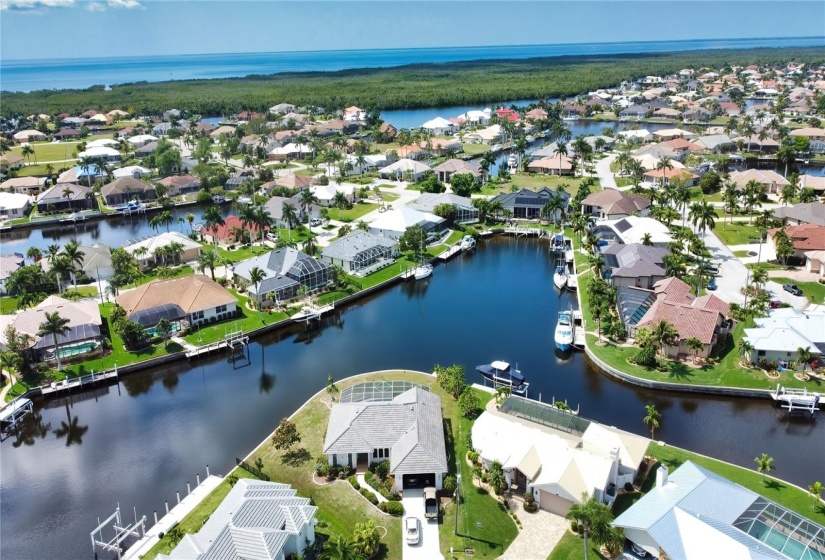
296,457
774,485
680,370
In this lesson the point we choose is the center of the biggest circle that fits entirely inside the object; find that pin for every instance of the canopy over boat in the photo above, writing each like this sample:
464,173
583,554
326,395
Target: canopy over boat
501,369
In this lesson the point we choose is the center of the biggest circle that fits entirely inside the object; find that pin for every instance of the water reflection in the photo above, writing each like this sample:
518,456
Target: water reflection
32,428
71,429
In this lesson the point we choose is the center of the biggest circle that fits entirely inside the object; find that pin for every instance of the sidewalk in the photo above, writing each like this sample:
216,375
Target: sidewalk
363,482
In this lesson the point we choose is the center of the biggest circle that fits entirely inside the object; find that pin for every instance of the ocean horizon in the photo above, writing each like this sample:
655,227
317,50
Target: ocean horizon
62,73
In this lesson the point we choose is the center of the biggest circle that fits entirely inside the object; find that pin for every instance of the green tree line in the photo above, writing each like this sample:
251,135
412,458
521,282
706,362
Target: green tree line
411,86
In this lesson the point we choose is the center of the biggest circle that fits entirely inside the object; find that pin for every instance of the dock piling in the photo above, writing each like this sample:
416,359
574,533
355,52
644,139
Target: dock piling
207,471
198,478
188,488
167,506
177,493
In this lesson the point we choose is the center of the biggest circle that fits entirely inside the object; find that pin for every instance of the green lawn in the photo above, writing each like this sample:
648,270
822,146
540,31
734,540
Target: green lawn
387,196
49,151
352,214
249,321
195,519
741,254
766,266
454,237
474,149
40,170
814,291
497,529
571,547
85,291
726,373
8,305
149,275
736,233
532,182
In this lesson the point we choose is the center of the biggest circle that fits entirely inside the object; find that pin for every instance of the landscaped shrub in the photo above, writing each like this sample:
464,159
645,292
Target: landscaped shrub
449,484
322,465
382,469
368,477
393,508
575,527
354,482
369,495
646,357
472,456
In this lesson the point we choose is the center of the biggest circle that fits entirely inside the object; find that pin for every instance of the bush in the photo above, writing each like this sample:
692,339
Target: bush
646,357
369,496
382,469
473,456
449,484
628,487
393,508
468,403
575,527
322,465
528,498
354,482
368,477
531,507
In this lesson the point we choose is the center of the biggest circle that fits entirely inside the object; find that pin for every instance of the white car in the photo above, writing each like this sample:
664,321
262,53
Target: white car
412,530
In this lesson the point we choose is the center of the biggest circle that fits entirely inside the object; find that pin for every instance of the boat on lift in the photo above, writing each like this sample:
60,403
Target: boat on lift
468,243
308,313
560,277
568,249
503,375
564,331
423,271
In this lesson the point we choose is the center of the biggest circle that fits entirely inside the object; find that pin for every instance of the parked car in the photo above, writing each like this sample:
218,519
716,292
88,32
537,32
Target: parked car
412,531
792,289
271,236
775,303
430,503
315,222
638,550
712,284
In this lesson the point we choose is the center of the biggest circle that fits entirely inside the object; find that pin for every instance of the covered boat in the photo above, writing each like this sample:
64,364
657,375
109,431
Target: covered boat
502,374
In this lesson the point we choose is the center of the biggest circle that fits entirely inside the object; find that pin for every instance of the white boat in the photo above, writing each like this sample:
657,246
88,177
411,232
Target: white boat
468,243
560,277
564,331
423,271
308,313
512,161
218,199
570,118
572,282
530,139
568,249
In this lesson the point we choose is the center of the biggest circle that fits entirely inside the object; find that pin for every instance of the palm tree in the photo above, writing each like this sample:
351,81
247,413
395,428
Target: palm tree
27,152
191,219
594,519
209,258
290,216
34,254
752,195
647,239
340,548
166,219
664,165
703,214
366,538
61,266
54,325
155,222
10,362
815,490
307,198
764,464
695,345
86,165
310,246
262,219
652,418
681,197
731,198
804,355
256,276
745,348
339,201
664,333
212,220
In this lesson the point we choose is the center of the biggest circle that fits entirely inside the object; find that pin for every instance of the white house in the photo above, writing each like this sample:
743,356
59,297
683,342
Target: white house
8,264
140,140
558,466
134,171
440,126
489,135
406,430
394,223
102,143
694,514
14,205
405,170
101,153
360,252
640,135
145,250
777,336
476,118
261,520
633,229
326,193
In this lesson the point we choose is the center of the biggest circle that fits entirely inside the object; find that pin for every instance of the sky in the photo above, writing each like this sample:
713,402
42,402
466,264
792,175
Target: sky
42,29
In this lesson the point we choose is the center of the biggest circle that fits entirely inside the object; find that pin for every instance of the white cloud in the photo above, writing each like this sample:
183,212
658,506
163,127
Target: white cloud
125,4
95,7
34,5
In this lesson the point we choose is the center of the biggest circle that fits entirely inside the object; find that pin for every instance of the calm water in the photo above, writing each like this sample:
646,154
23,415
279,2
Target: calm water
147,437
28,75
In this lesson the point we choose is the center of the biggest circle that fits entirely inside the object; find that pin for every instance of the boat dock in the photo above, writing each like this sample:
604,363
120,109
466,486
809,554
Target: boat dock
449,252
82,383
797,400
525,231
13,413
578,329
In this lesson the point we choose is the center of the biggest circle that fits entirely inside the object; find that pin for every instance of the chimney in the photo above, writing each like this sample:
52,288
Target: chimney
661,476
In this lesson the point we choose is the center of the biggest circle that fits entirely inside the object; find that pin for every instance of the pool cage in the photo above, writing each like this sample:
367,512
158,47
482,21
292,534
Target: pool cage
376,391
369,257
147,318
544,414
311,273
786,532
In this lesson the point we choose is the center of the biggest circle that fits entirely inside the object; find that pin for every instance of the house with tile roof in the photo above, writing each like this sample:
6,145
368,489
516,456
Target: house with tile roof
634,264
704,318
227,233
771,180
154,245
776,337
803,213
464,211
55,199
556,164
287,270
612,204
444,171
527,204
256,520
407,430
360,252
806,237
394,223
121,191
192,300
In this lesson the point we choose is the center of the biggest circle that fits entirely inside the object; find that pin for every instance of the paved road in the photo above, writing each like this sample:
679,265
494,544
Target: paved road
606,177
427,547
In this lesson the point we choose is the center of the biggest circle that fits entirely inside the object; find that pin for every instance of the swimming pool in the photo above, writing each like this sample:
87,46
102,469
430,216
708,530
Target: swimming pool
152,331
69,351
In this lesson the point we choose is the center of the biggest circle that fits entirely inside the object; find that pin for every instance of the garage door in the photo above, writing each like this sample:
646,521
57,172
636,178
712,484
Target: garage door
418,480
554,504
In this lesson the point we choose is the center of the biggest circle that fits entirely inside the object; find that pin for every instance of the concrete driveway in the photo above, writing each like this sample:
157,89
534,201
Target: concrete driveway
797,302
427,547
732,273
606,177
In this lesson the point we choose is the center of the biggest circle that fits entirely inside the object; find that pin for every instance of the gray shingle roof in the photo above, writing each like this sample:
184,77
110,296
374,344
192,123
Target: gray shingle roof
410,424
354,243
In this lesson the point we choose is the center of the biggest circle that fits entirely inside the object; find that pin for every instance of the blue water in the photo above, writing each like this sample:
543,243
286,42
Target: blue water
28,75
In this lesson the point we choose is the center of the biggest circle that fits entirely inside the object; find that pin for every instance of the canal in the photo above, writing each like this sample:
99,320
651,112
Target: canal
139,442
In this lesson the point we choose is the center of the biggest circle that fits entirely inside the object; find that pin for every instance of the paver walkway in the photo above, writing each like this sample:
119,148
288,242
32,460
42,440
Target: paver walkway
363,482
540,533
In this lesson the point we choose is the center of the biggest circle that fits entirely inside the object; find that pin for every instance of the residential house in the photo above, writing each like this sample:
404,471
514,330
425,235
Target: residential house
121,191
405,170
326,193
754,143
633,229
667,113
188,300
23,185
146,150
806,181
634,264
354,113
181,184
666,176
134,171
671,133
65,197
557,164
635,111
803,213
714,143
141,140
261,520
771,180
14,205
150,250
527,204
288,272
28,136
704,318
88,175
442,146
237,180
536,115
640,136
162,129
407,430
224,130
290,151
394,223
490,135
698,114
360,252
777,336
444,171
439,126
464,211
100,154
275,208
66,134
559,461
11,161
694,514
229,232
388,131
282,108
292,181
612,204
805,237
9,264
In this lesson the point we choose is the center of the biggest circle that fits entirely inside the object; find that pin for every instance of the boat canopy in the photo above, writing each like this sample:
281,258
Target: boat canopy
492,370
500,365
559,238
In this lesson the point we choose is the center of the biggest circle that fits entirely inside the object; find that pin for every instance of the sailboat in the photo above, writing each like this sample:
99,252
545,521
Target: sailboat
423,270
564,331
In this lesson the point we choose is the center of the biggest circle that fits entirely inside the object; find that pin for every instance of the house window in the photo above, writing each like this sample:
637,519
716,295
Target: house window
220,309
374,453
760,353
197,315
386,452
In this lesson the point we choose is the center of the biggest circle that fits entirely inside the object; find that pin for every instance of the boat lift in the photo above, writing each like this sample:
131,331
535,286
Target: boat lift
796,400
13,413
236,342
121,533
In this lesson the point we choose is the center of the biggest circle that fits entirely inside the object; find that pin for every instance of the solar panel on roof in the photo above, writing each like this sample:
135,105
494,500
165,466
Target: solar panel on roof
622,226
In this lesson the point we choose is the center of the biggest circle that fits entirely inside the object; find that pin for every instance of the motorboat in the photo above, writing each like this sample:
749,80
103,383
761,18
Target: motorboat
564,331
503,375
308,313
568,249
560,277
468,243
570,118
558,242
572,282
423,271
512,161
530,139
218,199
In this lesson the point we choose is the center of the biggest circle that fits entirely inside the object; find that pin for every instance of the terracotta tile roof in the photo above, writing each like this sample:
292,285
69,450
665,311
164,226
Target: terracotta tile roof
671,173
190,293
673,290
711,301
225,231
806,237
613,201
688,321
